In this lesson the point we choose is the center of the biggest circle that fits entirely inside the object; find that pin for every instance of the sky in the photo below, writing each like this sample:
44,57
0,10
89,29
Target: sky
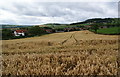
35,12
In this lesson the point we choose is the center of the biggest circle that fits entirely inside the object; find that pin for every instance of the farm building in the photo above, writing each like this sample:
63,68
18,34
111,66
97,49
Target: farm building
20,32
48,30
58,31
88,26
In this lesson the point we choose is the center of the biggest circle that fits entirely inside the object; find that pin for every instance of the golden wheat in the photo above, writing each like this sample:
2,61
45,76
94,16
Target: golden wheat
70,53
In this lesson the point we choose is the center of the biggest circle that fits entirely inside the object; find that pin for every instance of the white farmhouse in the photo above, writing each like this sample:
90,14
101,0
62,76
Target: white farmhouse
19,32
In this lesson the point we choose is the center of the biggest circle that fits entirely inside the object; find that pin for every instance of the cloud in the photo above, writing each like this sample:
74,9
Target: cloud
35,12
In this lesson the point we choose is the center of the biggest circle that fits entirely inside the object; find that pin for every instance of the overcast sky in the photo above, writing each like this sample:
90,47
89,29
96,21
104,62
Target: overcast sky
36,12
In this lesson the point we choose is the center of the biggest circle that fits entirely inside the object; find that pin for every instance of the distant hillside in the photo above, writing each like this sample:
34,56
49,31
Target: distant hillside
98,20
54,24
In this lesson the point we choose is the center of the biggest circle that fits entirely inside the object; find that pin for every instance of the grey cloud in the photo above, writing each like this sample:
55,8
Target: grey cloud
8,22
59,11
53,9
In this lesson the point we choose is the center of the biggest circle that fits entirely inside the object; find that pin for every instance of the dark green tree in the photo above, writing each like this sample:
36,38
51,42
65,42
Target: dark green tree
95,27
6,34
36,31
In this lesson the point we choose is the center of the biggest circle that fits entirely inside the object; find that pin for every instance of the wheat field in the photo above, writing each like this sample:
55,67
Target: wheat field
68,53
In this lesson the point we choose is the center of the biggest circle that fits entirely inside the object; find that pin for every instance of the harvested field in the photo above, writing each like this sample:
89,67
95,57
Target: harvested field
69,53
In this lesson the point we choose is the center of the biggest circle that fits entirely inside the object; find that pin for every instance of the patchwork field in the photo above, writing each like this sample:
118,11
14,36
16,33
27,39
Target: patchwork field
69,53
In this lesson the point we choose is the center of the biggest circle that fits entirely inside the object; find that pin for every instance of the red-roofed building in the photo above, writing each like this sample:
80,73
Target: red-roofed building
20,32
49,30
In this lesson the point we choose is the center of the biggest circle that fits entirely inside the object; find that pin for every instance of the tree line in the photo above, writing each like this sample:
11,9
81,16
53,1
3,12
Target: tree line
31,31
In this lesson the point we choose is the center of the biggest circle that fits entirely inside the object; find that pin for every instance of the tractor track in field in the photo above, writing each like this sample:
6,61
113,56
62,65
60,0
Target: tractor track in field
67,39
71,36
75,39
